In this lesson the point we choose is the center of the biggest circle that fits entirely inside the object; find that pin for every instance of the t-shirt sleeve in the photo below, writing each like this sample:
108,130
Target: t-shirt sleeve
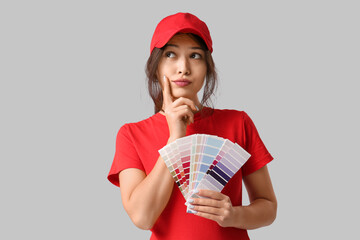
260,156
125,157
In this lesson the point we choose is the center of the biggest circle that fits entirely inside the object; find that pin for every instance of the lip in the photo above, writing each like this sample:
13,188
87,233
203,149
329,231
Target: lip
181,82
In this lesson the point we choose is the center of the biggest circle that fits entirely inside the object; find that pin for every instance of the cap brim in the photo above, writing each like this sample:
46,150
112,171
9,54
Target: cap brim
169,34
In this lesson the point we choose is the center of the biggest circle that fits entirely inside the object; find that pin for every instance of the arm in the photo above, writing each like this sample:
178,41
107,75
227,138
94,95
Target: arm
261,211
263,204
145,197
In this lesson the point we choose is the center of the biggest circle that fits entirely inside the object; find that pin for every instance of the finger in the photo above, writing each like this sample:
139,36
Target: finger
208,216
185,113
189,120
166,91
207,202
221,220
212,194
184,109
181,101
206,209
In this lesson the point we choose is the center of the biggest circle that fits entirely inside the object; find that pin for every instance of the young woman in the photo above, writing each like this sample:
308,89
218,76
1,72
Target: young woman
179,66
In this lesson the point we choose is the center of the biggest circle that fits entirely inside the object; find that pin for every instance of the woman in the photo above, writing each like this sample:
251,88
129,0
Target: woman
180,64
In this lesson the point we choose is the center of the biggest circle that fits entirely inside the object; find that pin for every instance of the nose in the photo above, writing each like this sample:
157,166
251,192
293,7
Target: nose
183,66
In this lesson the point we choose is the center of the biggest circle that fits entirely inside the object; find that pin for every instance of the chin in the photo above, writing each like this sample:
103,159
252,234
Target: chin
190,92
178,94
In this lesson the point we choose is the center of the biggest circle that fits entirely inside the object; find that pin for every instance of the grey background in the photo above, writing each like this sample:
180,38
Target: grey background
72,72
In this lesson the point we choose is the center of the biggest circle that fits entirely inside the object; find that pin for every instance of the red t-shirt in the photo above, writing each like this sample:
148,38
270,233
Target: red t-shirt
137,146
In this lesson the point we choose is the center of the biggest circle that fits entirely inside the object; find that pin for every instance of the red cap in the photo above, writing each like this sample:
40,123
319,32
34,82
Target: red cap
180,22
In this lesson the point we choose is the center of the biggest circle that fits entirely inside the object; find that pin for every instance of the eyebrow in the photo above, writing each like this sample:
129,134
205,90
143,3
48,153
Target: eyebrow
174,45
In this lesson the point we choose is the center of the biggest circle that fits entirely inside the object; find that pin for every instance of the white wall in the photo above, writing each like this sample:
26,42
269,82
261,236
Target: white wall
72,72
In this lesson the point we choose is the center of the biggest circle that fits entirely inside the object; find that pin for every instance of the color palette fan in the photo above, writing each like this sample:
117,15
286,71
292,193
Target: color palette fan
202,161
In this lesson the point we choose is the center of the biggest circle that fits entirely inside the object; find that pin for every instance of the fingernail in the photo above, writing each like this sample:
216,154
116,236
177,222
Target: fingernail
191,211
191,206
197,108
190,201
164,78
195,191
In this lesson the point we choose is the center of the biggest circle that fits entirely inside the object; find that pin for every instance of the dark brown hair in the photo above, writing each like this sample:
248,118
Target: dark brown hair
154,87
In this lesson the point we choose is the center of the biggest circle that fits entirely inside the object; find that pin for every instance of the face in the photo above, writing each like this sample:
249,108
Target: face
183,63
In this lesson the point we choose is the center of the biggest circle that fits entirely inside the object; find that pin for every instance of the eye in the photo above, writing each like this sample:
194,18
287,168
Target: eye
196,56
170,54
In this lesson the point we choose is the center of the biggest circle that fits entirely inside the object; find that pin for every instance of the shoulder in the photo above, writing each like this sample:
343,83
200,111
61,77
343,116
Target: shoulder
231,114
142,125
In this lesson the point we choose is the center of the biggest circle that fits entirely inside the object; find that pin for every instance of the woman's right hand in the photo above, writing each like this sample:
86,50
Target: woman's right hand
178,113
146,195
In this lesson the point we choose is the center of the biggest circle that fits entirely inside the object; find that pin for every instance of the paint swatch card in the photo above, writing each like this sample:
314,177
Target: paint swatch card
202,161
231,159
184,146
172,160
196,152
211,146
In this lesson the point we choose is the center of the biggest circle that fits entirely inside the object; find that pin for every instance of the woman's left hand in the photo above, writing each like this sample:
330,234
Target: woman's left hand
216,206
